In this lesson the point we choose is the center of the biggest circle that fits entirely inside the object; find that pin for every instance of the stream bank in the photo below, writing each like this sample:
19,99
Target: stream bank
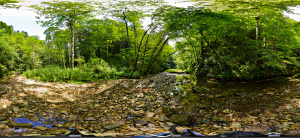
150,105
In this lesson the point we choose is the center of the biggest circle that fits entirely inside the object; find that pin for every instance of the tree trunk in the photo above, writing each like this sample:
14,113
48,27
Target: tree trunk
66,55
256,33
139,48
73,43
128,41
33,66
158,53
135,34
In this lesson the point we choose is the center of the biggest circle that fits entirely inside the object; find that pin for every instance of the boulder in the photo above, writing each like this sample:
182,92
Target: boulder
181,119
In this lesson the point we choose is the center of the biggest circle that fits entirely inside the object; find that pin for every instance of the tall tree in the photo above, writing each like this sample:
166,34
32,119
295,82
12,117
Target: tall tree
64,13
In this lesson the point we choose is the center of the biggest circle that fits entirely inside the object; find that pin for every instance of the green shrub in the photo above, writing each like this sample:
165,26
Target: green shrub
95,69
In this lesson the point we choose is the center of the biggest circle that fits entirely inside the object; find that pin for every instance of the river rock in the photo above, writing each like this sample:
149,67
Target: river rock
149,114
71,118
4,126
289,107
133,129
107,134
141,122
90,119
181,119
218,119
23,125
151,126
170,124
63,111
41,128
111,126
34,118
69,124
31,135
168,111
22,104
15,109
296,118
2,118
236,125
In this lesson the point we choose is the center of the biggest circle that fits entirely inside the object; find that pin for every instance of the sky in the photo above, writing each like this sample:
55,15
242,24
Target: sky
23,19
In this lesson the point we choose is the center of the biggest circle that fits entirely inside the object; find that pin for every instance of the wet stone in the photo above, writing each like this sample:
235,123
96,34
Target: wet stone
69,124
34,118
23,125
141,122
90,119
41,128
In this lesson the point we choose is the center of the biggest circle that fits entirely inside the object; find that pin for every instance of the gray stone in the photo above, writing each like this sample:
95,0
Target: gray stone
141,122
89,119
111,126
289,107
149,114
151,126
170,124
15,109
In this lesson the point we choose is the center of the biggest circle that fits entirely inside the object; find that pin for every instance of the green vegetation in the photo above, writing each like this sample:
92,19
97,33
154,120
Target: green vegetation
95,69
220,40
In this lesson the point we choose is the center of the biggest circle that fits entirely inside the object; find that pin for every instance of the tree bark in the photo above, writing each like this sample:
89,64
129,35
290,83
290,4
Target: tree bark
139,48
158,53
127,40
256,28
73,43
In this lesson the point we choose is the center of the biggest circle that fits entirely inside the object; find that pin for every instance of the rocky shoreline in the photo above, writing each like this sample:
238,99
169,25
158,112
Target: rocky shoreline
147,106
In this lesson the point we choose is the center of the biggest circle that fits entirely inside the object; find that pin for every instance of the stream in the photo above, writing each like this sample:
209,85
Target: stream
146,106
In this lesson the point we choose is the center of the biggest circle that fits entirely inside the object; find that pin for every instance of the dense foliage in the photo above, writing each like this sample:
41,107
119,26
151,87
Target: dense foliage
237,44
218,40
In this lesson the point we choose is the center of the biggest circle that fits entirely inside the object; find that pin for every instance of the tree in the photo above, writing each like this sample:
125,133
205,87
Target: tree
9,3
62,14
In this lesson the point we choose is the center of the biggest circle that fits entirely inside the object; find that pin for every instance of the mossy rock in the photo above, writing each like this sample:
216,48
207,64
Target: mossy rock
218,119
182,119
168,111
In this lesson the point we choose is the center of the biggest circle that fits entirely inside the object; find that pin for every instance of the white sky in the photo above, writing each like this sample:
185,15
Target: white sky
24,19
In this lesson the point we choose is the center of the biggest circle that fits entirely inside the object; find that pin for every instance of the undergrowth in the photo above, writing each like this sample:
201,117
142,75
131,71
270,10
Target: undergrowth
95,69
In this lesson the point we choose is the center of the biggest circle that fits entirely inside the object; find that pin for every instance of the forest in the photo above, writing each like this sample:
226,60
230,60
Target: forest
243,40
149,68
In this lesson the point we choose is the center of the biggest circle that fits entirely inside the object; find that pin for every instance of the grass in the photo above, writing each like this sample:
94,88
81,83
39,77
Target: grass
175,71
95,69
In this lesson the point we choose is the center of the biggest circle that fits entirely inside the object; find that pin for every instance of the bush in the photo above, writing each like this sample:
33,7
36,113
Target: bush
55,73
95,69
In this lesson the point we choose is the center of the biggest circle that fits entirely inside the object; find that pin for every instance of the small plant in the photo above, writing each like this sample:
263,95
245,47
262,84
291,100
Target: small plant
90,105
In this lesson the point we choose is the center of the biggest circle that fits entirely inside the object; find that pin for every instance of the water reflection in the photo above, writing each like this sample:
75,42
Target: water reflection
212,101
